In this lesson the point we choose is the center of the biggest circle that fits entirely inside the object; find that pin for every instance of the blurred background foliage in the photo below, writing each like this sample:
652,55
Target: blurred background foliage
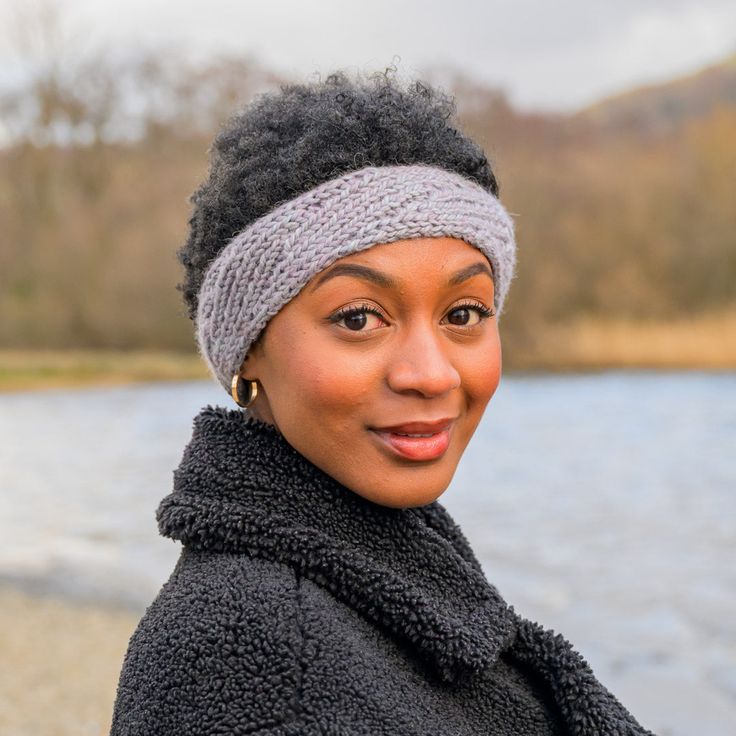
624,210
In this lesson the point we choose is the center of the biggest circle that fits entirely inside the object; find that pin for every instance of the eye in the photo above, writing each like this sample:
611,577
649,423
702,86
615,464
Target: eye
356,318
469,314
365,317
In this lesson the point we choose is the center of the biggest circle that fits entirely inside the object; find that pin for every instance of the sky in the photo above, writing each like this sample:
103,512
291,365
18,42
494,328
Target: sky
546,55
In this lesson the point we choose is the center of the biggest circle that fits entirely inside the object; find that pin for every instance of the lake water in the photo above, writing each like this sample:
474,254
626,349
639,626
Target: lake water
601,505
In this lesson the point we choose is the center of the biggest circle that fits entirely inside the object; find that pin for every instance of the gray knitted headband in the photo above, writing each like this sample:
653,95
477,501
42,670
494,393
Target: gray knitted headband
269,262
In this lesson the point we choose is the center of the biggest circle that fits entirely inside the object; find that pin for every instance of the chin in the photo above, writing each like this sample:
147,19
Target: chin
402,497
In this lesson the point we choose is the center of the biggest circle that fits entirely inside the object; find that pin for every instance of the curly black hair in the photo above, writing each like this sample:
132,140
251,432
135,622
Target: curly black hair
283,144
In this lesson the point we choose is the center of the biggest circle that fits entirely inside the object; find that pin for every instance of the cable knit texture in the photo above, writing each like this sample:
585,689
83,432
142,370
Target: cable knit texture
270,261
299,607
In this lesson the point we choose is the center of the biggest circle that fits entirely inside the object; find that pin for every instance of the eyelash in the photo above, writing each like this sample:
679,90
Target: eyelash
483,311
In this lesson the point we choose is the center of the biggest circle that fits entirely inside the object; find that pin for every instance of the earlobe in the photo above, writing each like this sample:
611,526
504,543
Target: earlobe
247,389
250,367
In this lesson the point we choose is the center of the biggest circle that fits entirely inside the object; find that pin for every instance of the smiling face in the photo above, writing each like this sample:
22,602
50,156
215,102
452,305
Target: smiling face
374,347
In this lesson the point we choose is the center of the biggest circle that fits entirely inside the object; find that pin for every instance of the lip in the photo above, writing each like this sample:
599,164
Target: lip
436,425
417,448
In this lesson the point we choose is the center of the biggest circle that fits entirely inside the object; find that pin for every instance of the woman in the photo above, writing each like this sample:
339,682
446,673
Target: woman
347,264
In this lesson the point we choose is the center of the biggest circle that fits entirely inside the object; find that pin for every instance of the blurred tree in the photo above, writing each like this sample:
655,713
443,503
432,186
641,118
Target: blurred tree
101,149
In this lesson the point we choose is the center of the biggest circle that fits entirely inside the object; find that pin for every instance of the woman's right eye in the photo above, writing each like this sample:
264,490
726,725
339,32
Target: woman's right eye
356,318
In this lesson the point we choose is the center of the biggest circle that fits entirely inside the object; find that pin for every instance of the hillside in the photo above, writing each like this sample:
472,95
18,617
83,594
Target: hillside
661,108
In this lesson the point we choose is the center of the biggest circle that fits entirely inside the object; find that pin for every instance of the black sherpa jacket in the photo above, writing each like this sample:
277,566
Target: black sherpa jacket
299,607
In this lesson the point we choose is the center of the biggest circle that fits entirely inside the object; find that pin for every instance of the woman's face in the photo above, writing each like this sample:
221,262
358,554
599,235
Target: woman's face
397,335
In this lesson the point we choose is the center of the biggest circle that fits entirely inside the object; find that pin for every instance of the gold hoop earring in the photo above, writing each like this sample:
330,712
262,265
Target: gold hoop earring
237,389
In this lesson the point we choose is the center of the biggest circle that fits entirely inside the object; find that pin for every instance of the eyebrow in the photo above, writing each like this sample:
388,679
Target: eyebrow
385,281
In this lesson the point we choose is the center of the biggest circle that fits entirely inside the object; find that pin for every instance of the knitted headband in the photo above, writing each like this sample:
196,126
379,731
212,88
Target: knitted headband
268,263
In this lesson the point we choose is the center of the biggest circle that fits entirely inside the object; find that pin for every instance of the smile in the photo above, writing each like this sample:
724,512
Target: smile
415,446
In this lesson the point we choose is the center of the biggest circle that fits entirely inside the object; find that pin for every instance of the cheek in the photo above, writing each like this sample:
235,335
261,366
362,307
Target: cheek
481,374
316,379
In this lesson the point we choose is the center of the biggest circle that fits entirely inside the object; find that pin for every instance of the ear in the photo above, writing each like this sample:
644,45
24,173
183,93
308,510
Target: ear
251,366
254,368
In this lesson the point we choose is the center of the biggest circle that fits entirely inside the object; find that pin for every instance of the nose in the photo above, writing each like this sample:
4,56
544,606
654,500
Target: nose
422,364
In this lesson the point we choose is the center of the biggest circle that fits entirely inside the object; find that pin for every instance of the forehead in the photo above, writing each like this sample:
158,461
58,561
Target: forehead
390,264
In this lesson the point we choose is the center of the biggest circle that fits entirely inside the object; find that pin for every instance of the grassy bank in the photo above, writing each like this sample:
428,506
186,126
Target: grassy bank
703,342
61,663
32,369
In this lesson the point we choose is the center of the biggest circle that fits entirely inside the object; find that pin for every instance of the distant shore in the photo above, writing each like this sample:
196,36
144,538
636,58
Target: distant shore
700,343
22,370
61,663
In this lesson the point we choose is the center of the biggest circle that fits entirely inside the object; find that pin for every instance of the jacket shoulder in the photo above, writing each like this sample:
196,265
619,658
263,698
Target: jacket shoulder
217,651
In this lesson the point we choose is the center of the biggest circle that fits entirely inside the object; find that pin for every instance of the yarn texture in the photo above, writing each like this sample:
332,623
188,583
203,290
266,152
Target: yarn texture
299,607
270,261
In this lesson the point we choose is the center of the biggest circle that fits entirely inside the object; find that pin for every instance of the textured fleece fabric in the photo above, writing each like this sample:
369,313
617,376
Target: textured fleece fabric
299,607
270,261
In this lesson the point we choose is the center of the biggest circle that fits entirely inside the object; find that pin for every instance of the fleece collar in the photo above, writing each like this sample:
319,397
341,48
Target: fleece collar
241,487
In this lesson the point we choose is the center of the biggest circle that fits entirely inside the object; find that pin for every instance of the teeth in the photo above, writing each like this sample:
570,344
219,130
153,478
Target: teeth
401,434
